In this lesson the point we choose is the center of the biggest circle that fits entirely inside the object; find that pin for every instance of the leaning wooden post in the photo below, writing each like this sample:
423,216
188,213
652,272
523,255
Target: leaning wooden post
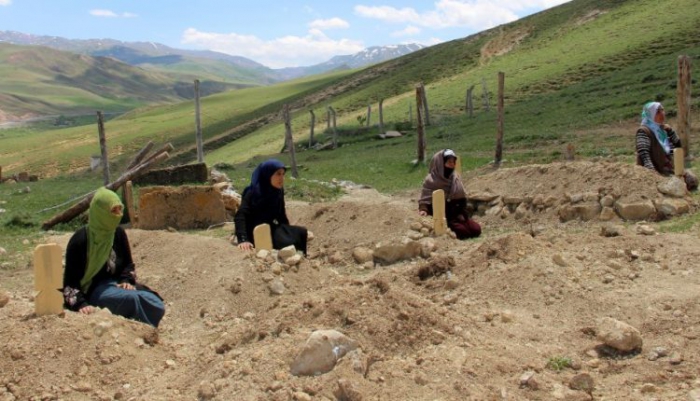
369,114
335,132
48,280
470,103
83,205
419,123
198,123
290,141
683,101
103,147
426,114
328,118
139,156
381,116
313,124
499,134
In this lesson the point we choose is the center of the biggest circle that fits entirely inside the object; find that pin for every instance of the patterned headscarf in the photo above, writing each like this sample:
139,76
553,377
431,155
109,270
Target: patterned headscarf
102,225
648,113
436,179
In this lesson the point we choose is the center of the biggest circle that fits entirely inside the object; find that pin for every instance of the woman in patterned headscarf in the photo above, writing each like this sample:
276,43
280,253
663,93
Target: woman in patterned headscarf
263,203
655,142
99,268
442,176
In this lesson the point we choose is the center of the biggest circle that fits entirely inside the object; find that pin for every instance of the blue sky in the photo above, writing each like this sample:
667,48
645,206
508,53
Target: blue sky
280,33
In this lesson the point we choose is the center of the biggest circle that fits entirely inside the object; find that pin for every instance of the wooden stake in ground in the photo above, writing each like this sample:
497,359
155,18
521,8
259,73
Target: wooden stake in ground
262,237
426,111
335,132
48,280
290,141
439,222
198,123
501,112
683,101
419,126
128,194
470,104
369,114
381,117
103,147
313,124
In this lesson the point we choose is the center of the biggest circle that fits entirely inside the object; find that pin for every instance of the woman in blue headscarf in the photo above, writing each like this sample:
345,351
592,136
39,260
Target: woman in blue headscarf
655,142
263,202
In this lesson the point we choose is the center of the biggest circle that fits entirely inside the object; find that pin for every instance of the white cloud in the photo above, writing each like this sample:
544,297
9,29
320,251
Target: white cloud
408,31
110,14
474,14
333,23
285,51
5,2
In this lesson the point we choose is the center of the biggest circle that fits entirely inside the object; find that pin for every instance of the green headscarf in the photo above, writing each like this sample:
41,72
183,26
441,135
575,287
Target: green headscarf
102,225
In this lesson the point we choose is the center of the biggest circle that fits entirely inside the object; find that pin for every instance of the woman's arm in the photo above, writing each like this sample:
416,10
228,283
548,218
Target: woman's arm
644,149
672,136
242,215
76,262
125,270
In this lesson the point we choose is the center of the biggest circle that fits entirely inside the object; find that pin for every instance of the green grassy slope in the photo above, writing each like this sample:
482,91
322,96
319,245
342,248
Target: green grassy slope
569,71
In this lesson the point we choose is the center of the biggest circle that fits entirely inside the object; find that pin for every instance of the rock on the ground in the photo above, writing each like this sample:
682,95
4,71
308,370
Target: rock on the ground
287,252
618,335
321,352
640,210
363,255
674,186
4,299
276,287
582,382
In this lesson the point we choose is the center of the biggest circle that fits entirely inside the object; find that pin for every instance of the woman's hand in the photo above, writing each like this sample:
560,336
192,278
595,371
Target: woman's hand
422,213
126,286
246,246
86,310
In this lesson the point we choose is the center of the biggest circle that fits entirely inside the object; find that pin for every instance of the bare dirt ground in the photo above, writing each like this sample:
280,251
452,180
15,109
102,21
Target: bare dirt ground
507,304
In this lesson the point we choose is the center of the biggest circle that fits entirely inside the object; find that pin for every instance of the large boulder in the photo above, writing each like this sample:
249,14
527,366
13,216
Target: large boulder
322,350
619,335
637,210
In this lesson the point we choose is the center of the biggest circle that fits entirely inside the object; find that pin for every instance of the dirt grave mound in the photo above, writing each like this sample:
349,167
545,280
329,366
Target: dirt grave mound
477,320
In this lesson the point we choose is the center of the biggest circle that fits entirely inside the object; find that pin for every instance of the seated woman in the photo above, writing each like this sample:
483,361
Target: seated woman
99,269
442,176
263,202
655,142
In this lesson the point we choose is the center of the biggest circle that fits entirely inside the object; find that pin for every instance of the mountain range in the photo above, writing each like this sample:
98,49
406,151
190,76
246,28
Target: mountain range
172,69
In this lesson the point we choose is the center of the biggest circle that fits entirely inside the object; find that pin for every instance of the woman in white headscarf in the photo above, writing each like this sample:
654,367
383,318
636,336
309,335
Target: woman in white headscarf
655,142
442,176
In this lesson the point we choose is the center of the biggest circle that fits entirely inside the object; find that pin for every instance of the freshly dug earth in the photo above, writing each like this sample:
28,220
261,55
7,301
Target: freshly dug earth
485,319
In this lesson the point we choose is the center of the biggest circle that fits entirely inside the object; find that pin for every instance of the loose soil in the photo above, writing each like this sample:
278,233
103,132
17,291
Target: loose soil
468,323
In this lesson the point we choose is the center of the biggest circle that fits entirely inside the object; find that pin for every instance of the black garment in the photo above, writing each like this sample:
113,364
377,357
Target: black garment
453,209
119,267
270,211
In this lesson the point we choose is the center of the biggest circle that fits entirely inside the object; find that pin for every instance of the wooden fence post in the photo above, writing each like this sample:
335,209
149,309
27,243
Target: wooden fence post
499,135
335,132
369,114
381,116
198,123
683,101
103,147
328,119
419,123
290,141
470,104
313,124
426,114
485,95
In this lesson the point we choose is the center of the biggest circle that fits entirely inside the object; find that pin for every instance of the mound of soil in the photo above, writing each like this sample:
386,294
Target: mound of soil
477,320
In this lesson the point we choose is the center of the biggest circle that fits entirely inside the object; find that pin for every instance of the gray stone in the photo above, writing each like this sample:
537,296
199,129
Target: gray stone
607,214
670,207
287,252
276,287
320,353
362,255
673,186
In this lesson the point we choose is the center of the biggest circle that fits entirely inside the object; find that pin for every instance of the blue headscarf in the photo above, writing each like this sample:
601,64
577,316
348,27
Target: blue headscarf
262,191
648,113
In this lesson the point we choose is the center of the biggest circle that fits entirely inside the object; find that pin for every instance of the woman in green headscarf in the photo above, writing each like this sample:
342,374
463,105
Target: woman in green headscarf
99,268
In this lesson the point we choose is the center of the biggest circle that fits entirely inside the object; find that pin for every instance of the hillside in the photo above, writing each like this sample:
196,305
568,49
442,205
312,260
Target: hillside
39,81
564,78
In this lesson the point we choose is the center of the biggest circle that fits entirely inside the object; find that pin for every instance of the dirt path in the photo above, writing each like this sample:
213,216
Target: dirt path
510,303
